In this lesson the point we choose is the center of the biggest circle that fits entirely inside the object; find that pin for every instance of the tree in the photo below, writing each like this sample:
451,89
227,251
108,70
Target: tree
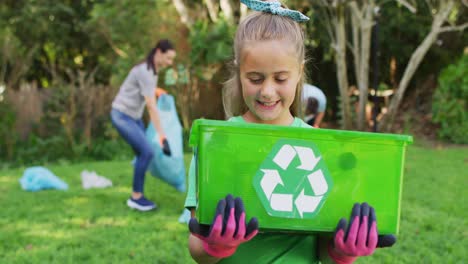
344,18
190,11
336,13
362,21
333,13
210,25
361,14
15,59
441,9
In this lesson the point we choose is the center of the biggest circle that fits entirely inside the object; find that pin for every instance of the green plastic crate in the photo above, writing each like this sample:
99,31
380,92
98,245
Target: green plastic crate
298,179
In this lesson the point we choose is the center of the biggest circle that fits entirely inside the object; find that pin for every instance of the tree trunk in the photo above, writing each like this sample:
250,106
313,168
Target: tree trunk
226,7
183,12
443,12
212,10
355,38
340,60
365,29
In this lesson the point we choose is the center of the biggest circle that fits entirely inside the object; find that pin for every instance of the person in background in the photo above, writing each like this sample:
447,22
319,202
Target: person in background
136,92
315,104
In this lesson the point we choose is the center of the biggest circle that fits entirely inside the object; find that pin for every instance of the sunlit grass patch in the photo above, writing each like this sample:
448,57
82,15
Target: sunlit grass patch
96,226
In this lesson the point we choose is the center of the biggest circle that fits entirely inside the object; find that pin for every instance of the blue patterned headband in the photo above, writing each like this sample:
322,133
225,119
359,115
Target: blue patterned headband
274,7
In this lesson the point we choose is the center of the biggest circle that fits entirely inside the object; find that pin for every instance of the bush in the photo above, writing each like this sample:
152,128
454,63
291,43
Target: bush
450,102
211,46
7,124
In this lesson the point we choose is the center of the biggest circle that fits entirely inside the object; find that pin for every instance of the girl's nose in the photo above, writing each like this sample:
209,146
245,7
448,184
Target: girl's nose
268,90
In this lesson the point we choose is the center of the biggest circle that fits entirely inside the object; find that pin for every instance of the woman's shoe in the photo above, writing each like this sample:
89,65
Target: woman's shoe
141,204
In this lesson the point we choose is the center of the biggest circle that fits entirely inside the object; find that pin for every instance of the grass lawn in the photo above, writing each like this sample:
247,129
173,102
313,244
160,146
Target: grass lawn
95,226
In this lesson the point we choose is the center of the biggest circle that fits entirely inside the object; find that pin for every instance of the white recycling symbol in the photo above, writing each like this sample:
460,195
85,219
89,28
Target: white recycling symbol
271,178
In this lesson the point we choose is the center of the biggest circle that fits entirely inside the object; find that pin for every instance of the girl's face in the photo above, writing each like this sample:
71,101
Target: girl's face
269,74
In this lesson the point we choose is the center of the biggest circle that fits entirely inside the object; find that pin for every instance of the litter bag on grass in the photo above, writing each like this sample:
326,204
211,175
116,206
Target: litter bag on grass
170,169
38,178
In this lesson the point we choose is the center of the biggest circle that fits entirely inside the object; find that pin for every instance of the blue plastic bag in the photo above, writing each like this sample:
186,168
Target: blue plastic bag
170,169
39,178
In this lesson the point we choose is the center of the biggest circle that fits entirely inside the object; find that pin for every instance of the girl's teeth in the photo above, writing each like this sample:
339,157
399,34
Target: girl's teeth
268,104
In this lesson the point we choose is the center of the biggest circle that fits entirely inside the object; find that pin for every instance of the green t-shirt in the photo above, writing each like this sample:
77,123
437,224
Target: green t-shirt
266,247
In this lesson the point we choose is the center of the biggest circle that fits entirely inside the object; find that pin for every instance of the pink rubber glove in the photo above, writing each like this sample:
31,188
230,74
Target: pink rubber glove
361,238
228,230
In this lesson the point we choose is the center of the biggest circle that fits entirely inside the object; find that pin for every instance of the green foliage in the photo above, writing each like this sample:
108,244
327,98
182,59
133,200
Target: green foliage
382,87
401,31
450,102
55,31
41,40
74,36
14,56
81,35
49,140
37,150
211,43
126,28
173,77
107,149
129,30
7,125
41,150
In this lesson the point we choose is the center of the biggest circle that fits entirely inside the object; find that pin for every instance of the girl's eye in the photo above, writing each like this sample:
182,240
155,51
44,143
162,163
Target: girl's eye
256,81
281,80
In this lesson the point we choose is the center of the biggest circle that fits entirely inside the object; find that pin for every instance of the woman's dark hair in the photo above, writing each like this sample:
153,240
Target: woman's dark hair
312,106
163,45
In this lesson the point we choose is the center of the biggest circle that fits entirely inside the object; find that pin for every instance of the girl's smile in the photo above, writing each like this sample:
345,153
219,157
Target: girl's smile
268,105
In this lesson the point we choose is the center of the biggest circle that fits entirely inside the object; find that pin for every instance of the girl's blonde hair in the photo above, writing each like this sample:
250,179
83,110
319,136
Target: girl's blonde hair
259,26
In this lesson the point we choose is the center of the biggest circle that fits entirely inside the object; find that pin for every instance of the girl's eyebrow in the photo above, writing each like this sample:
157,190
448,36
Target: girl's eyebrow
259,73
254,73
281,72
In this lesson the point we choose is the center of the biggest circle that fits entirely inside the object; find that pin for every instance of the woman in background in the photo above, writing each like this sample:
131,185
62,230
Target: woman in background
136,92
